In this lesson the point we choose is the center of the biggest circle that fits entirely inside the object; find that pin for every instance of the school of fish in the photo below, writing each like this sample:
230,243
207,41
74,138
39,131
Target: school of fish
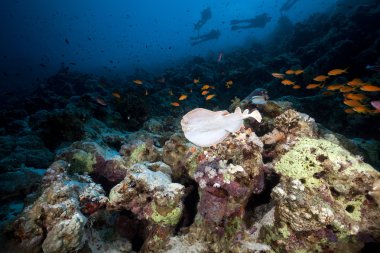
357,94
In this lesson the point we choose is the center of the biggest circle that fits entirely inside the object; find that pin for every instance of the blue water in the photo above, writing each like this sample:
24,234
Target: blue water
115,38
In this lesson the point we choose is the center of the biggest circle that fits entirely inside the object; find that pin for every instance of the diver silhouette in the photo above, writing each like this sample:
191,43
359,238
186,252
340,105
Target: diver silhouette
205,16
211,35
288,5
258,21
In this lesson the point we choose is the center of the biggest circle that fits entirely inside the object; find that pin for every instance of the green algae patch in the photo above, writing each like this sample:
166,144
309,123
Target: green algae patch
170,219
137,153
81,162
305,161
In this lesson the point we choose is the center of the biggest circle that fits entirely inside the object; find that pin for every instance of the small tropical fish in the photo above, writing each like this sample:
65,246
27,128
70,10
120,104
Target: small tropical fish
361,109
313,86
175,104
229,83
298,72
355,96
334,87
349,111
376,104
182,97
327,93
336,72
205,87
116,94
205,92
370,88
259,100
296,87
287,82
278,75
320,78
356,82
138,82
220,56
101,101
352,103
373,67
345,89
196,80
170,93
289,72
210,96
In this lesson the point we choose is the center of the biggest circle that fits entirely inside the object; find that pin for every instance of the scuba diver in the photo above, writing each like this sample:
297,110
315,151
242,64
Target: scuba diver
205,16
257,22
211,35
288,5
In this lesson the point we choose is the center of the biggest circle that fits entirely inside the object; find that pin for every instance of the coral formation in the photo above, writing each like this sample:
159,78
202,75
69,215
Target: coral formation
56,220
322,193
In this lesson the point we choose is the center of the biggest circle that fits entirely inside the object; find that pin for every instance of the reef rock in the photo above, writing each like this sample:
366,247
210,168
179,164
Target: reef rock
322,200
56,219
151,196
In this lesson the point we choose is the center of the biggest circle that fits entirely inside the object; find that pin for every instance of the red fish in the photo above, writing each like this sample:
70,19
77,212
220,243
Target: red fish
220,56
376,104
101,101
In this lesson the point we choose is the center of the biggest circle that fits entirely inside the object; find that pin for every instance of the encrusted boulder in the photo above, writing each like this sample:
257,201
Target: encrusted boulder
151,196
322,200
56,219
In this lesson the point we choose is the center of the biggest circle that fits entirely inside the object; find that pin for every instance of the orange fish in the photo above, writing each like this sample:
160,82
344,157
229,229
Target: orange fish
278,75
336,72
356,82
334,87
345,89
182,97
175,104
196,80
352,103
355,96
320,78
205,87
313,86
298,72
101,101
327,93
116,94
296,87
349,111
138,82
205,92
370,88
210,96
287,82
361,109
289,72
